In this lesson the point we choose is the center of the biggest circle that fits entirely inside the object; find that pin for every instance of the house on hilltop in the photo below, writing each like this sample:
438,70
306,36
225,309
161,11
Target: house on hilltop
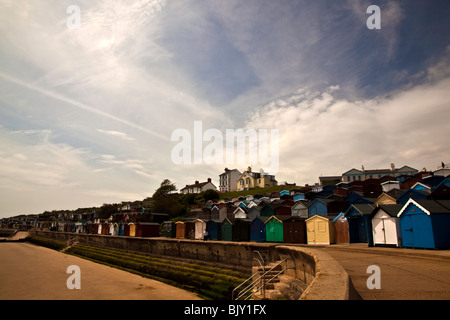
228,180
363,174
260,179
199,187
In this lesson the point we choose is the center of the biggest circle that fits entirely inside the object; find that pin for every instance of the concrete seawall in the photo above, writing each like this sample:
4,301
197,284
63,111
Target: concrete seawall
325,277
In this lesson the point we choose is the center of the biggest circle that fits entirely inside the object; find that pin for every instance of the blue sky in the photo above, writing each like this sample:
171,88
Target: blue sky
86,115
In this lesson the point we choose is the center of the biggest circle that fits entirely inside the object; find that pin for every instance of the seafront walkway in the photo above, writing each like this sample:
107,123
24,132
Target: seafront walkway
30,272
405,274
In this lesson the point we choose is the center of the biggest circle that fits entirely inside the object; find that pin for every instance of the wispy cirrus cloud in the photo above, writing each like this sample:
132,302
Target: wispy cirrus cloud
116,134
99,104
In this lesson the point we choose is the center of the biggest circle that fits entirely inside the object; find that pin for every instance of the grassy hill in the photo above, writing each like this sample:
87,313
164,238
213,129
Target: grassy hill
235,194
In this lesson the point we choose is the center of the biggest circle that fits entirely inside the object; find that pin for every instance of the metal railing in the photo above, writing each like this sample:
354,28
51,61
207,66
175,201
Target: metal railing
259,283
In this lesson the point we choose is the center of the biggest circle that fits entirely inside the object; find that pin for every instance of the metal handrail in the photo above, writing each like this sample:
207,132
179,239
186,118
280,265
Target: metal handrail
265,283
252,285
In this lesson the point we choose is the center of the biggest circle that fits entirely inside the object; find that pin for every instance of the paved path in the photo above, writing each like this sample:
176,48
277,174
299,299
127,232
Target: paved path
30,272
405,273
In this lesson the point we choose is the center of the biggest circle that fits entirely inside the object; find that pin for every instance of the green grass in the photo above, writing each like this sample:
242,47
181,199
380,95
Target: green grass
208,281
236,194
49,243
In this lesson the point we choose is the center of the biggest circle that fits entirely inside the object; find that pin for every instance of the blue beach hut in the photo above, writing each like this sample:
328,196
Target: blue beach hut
425,224
213,229
360,223
258,229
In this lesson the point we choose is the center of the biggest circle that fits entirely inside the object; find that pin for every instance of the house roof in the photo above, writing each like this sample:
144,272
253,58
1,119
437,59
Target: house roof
197,185
318,217
380,171
428,206
391,209
363,209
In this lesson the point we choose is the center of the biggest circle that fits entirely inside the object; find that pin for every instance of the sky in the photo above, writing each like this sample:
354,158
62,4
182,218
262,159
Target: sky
89,107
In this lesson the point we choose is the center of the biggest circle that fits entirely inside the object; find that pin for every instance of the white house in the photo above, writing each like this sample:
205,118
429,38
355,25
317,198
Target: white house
199,187
228,180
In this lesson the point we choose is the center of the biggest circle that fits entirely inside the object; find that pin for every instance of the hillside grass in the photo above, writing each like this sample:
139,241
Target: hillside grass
253,191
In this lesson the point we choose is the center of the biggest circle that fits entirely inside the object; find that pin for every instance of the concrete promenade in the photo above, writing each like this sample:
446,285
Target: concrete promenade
405,273
33,272
29,272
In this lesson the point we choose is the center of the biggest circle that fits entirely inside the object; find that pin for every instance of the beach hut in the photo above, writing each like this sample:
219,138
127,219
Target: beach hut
147,229
266,210
253,212
115,229
240,213
386,225
190,229
258,229
412,194
319,230
122,229
215,212
180,230
169,229
226,230
300,209
294,229
319,206
199,229
359,223
213,228
283,210
105,228
132,232
425,224
274,229
341,229
241,230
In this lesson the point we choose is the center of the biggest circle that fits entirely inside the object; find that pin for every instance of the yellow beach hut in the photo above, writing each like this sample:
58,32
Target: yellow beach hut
319,230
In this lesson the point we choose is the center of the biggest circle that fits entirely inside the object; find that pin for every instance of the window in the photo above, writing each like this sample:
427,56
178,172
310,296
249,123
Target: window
322,226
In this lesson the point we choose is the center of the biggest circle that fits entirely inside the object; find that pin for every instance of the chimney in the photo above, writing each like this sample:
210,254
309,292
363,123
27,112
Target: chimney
196,182
249,169
209,179
392,167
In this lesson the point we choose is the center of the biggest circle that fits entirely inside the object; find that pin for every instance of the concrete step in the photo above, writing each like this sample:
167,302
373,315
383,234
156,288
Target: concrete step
69,246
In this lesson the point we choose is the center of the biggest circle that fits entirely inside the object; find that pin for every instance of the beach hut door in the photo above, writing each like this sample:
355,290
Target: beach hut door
408,231
311,232
379,231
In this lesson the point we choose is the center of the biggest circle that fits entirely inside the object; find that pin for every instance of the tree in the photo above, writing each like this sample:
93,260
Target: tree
165,201
211,195
165,189
106,210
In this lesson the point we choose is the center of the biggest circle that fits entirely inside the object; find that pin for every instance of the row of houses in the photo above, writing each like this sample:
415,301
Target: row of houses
347,208
417,224
415,217
234,180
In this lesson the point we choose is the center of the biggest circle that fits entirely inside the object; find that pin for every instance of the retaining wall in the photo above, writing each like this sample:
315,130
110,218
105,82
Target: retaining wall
325,277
